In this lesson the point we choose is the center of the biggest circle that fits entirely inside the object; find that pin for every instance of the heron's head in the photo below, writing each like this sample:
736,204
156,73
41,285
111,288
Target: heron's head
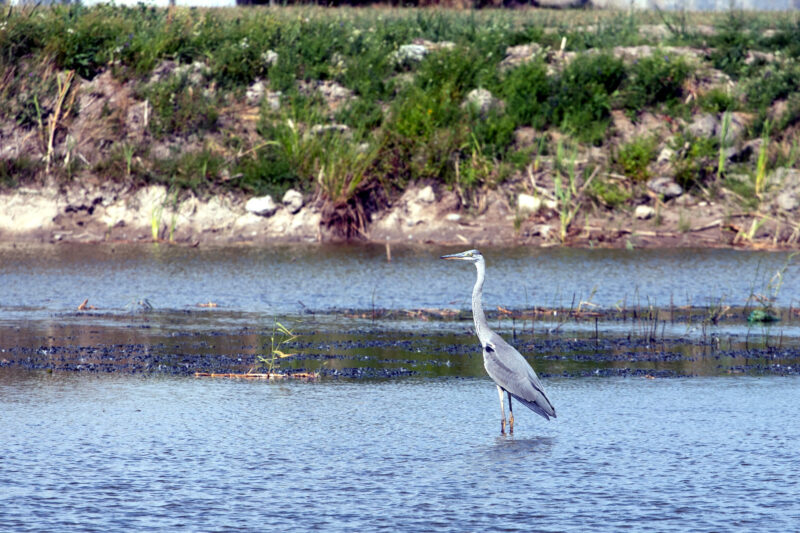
473,256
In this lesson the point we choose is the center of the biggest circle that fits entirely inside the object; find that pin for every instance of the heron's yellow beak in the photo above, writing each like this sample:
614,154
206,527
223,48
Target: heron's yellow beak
462,255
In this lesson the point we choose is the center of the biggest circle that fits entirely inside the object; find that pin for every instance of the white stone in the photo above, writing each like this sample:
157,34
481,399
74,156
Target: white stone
273,99
269,58
453,217
666,155
426,195
293,200
20,212
322,129
255,93
665,186
528,204
704,126
261,205
787,201
410,53
480,100
543,230
644,212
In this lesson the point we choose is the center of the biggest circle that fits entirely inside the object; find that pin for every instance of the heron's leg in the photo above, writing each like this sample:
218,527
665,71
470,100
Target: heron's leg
510,415
502,412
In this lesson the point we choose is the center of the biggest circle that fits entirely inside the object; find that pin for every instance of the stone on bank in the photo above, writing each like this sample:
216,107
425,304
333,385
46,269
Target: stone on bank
261,205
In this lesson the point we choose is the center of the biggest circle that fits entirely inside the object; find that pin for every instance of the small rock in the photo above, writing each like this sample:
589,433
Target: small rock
409,54
426,195
255,93
704,125
273,99
543,230
644,212
333,91
788,178
293,200
435,46
666,187
787,201
520,54
269,58
322,129
453,217
481,100
665,155
524,136
736,130
755,57
527,204
261,205
742,152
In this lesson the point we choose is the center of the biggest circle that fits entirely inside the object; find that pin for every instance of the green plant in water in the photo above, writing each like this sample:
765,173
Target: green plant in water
769,294
280,336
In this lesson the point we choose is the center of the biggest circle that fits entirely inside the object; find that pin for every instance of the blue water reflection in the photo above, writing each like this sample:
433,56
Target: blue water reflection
295,279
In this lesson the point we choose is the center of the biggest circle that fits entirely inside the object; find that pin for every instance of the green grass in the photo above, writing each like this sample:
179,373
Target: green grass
633,158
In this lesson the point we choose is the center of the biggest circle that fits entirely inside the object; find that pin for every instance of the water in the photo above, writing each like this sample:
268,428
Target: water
121,453
100,432
36,282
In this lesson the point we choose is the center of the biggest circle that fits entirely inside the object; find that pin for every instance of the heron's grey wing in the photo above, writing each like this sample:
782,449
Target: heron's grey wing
506,366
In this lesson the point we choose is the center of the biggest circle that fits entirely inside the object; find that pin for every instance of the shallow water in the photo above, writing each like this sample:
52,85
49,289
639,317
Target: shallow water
37,281
126,443
121,453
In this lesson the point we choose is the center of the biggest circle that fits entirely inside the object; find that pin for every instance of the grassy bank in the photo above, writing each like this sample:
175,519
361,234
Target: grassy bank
333,103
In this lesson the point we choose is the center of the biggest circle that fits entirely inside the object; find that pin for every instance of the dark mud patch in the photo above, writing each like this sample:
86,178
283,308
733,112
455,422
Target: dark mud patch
381,353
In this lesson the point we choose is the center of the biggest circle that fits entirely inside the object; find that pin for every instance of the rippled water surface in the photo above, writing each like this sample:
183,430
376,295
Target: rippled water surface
287,279
101,429
115,453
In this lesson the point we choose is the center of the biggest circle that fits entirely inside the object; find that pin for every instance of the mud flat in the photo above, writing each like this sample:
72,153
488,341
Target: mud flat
379,350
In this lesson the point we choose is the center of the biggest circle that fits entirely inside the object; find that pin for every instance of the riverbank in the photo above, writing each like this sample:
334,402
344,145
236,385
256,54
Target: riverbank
530,127
117,213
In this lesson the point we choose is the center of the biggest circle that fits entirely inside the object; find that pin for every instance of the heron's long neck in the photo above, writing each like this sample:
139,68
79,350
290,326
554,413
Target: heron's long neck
481,326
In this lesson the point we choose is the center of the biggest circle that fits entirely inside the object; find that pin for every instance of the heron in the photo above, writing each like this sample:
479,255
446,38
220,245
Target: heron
505,365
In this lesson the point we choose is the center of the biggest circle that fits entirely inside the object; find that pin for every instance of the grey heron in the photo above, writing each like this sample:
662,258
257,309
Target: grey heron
504,364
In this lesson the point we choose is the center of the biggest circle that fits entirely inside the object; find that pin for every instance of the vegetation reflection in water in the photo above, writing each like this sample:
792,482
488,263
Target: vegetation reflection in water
657,343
